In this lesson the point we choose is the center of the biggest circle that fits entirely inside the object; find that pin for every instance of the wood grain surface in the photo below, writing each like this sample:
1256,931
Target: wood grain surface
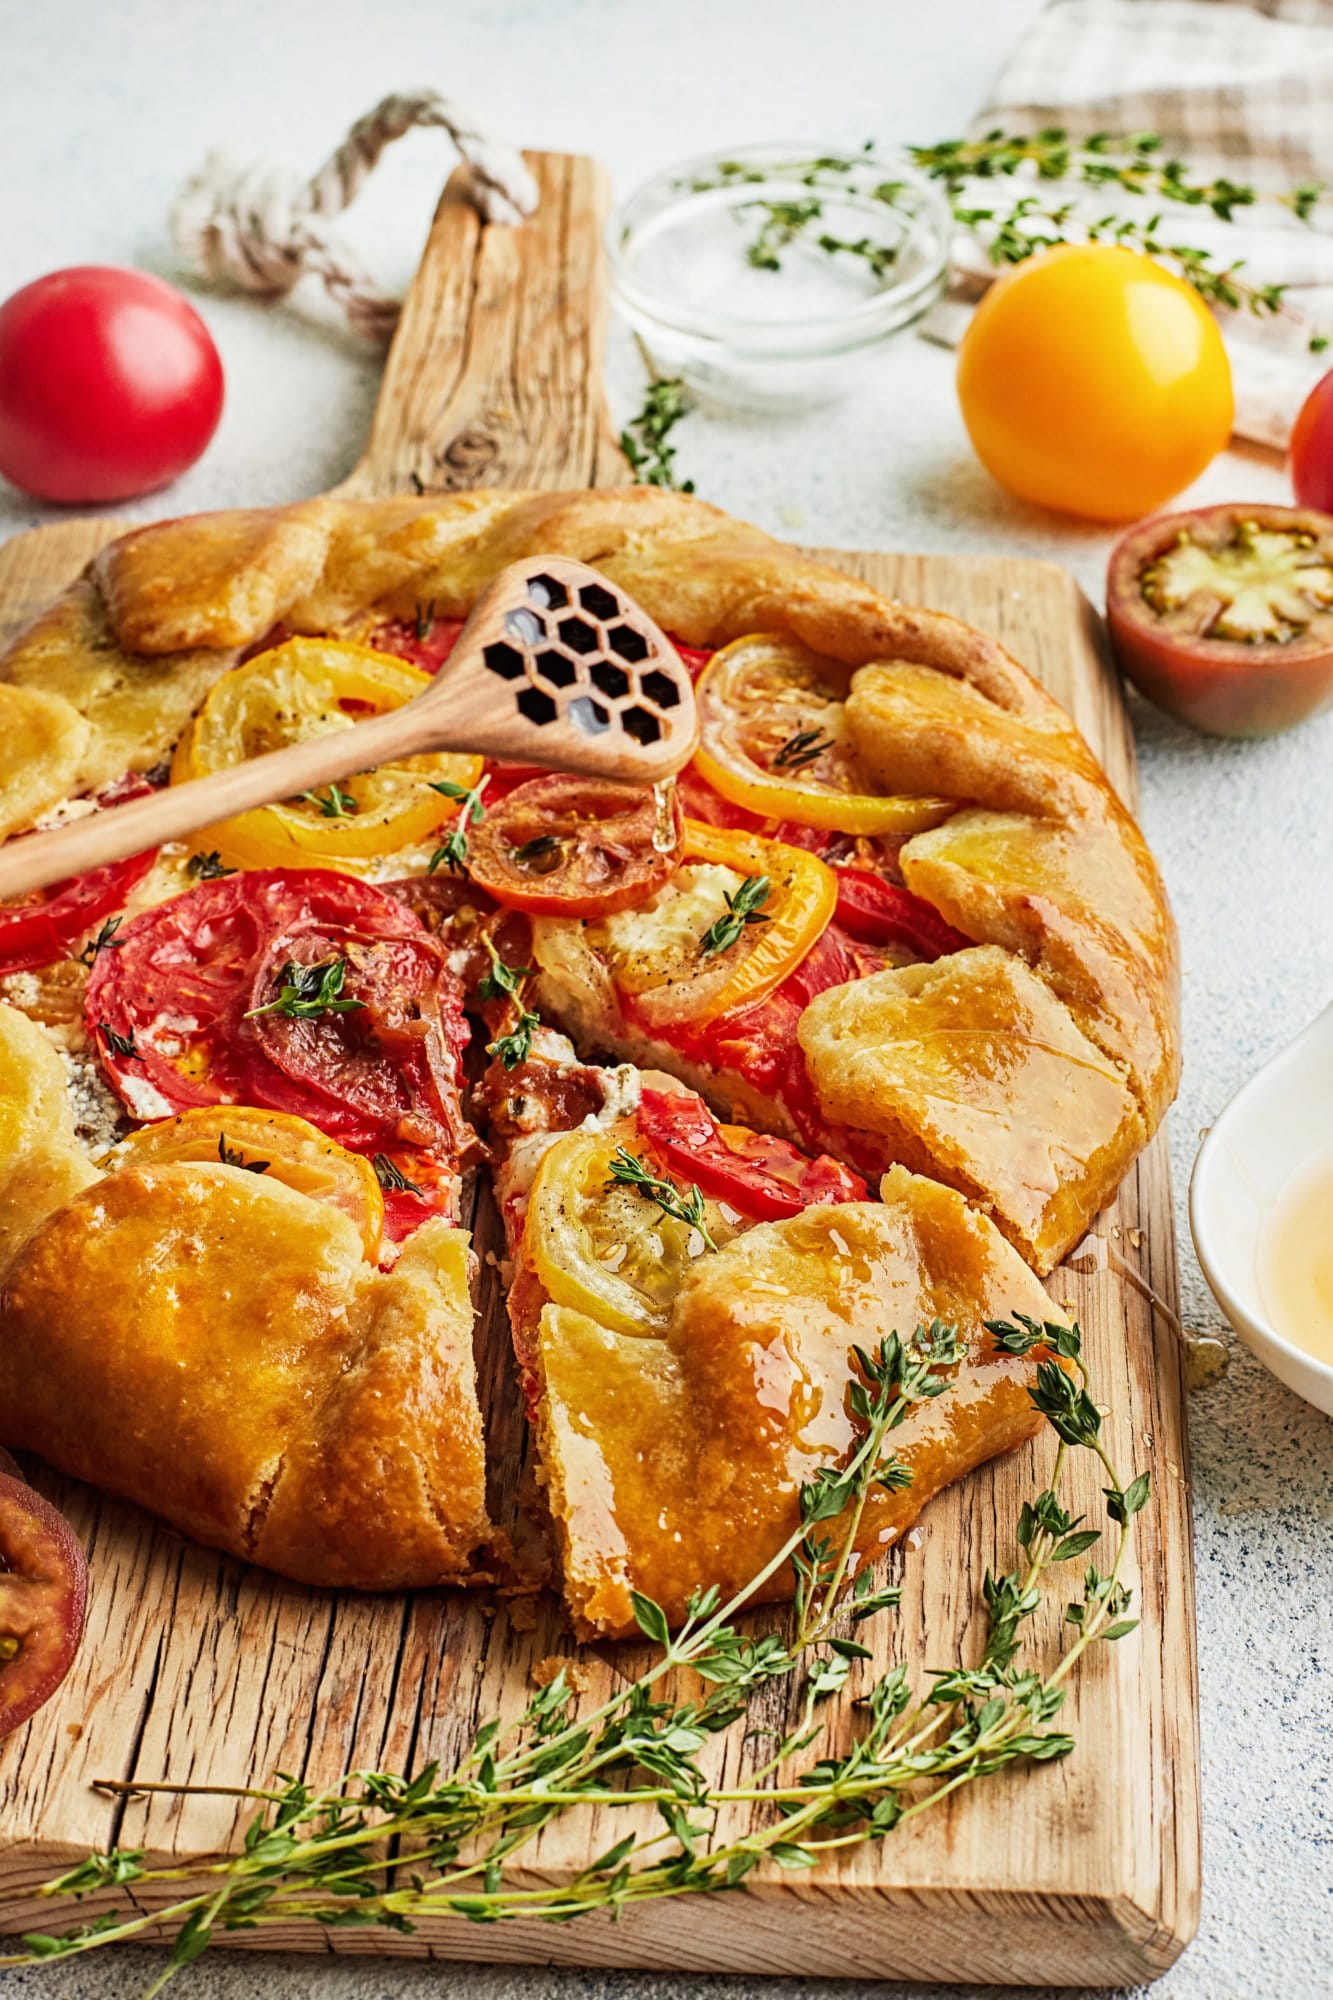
199,1669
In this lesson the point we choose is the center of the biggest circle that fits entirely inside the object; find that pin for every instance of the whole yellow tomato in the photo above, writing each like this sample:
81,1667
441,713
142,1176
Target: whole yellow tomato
1093,381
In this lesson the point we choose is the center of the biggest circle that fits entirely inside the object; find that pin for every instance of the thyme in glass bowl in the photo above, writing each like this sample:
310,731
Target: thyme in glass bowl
377,1848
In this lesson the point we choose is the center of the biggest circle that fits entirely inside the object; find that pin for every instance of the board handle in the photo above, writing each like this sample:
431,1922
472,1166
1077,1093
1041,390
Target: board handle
494,377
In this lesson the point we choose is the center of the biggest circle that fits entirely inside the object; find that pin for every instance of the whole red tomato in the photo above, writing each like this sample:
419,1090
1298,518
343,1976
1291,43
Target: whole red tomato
1312,448
110,384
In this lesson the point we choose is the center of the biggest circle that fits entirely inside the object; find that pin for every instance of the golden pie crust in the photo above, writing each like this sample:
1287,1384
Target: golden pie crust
359,1459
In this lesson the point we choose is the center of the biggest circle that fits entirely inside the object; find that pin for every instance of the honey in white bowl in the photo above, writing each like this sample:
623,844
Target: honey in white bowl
1296,1261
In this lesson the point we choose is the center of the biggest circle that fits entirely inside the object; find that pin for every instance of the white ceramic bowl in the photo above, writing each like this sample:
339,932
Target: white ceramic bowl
1272,1130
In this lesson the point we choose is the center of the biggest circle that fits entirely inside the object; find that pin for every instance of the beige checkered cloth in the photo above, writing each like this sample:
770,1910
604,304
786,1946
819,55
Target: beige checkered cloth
1233,88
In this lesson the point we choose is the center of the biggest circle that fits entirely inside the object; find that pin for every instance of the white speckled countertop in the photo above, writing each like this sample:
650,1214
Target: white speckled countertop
108,108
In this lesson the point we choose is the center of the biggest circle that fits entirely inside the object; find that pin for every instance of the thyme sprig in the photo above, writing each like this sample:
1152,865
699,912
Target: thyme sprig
308,992
106,940
207,867
232,1156
391,1176
452,851
117,1045
333,804
651,458
802,747
377,1848
627,1170
744,907
504,982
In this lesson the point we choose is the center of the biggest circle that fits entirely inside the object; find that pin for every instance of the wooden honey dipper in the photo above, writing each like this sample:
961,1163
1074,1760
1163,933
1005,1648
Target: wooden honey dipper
556,666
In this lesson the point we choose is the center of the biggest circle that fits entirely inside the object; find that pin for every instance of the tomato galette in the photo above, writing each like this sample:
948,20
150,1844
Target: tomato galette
855,1027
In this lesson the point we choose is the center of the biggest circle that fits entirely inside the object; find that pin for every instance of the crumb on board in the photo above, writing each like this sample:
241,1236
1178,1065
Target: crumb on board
1136,1238
546,1670
522,1613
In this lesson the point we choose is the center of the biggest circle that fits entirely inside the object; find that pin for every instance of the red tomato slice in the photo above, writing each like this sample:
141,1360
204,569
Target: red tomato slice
388,1065
180,988
41,928
583,847
760,1043
696,658
43,1596
426,641
764,1178
878,912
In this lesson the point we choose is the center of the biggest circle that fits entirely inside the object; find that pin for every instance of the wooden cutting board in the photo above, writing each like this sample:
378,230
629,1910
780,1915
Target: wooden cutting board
196,1668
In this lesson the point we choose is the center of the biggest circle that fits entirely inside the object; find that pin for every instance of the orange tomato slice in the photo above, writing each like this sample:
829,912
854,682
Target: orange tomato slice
656,954
274,1143
774,738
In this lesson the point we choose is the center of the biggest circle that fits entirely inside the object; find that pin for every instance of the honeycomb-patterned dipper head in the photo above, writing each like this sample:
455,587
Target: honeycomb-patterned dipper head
557,666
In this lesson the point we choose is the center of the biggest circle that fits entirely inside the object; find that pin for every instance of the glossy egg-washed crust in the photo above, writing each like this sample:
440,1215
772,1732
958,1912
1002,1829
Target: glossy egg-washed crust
1043,868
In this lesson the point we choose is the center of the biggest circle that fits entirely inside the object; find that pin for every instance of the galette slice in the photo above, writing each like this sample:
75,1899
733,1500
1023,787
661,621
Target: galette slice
689,1365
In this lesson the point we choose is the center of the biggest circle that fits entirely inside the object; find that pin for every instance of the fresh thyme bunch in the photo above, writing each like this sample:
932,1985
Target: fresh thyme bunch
381,1849
1011,228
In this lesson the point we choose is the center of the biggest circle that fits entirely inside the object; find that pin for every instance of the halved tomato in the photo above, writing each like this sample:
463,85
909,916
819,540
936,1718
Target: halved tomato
315,687
40,930
367,1048
738,914
1224,616
581,847
43,1597
765,1178
272,1143
774,738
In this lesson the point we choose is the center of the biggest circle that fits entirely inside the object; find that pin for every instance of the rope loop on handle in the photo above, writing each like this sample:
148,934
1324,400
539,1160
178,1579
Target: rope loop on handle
261,227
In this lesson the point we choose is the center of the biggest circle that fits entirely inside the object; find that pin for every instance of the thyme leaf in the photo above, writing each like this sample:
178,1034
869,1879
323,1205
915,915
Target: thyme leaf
503,982
117,1045
231,1156
333,804
629,1171
308,992
106,940
452,851
802,747
391,1177
742,908
207,867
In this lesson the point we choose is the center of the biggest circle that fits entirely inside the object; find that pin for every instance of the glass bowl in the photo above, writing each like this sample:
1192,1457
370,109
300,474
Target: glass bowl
762,277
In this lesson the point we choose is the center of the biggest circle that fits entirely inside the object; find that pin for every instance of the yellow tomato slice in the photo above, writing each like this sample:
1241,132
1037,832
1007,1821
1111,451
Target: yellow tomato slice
273,1143
606,1249
655,953
774,738
312,687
